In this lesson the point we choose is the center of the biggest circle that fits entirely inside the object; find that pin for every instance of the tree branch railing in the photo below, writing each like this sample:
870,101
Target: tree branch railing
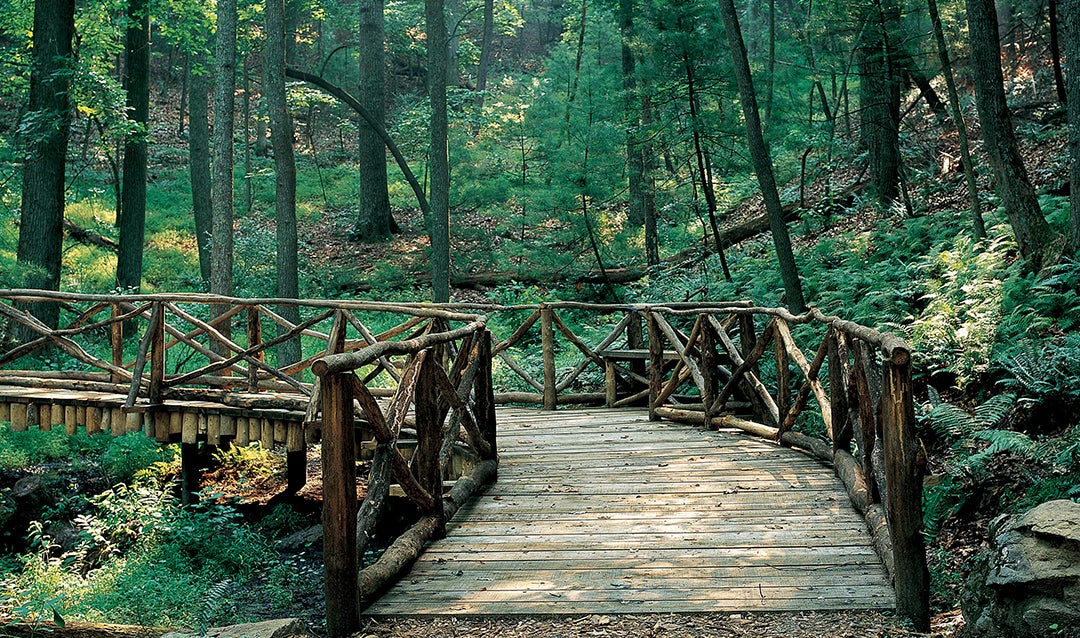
445,383
836,389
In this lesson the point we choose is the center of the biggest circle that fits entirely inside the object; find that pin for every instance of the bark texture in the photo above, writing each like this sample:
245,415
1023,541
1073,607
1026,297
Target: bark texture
46,124
761,159
133,209
221,253
1071,47
439,218
1033,234
374,221
199,161
281,133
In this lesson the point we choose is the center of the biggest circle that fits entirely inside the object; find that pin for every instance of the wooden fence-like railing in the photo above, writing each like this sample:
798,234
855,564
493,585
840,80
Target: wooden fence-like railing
446,379
838,390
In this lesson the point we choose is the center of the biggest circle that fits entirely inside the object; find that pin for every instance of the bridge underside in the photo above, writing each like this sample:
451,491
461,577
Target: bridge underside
605,512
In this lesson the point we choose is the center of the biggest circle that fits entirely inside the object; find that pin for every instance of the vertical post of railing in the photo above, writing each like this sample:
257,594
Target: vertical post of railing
838,391
904,475
747,339
635,340
656,363
157,353
116,341
708,365
429,437
254,334
783,376
547,343
485,396
339,502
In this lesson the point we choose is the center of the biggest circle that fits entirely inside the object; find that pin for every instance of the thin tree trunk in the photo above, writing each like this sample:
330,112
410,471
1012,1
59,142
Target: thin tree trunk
221,255
635,161
185,85
439,222
652,243
1072,85
1055,49
281,131
577,60
759,156
133,224
47,118
199,160
486,46
1033,234
978,226
770,71
245,134
879,98
703,172
374,221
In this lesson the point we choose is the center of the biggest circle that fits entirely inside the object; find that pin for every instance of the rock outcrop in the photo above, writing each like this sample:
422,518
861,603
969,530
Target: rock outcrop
1032,585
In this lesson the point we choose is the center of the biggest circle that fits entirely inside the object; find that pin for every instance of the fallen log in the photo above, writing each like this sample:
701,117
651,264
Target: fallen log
87,236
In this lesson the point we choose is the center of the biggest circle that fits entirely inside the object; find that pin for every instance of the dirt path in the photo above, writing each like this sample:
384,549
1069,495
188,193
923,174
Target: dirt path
773,625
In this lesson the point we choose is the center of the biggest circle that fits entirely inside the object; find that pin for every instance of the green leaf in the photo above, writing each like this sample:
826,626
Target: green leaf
58,619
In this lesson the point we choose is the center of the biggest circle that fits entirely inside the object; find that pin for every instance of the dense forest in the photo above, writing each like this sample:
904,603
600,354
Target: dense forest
903,164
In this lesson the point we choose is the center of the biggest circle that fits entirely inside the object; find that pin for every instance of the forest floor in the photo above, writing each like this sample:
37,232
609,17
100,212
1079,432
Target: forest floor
847,624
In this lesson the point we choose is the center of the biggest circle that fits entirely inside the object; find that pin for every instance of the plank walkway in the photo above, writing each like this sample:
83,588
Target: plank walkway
605,512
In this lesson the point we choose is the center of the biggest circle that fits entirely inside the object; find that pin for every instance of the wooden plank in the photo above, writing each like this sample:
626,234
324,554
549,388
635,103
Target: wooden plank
606,512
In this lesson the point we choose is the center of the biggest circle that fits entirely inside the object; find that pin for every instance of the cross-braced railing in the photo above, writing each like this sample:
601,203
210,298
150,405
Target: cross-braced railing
838,390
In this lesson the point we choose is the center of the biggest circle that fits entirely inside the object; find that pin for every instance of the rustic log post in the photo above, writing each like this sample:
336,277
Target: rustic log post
339,506
485,396
747,341
708,365
254,334
425,463
18,417
157,356
116,341
635,340
904,471
547,341
868,397
840,433
656,364
783,377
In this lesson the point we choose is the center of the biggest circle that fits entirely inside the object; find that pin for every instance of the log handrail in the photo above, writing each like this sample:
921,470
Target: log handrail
697,362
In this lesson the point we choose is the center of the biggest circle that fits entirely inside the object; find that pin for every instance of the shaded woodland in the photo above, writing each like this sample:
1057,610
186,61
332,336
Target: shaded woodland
903,164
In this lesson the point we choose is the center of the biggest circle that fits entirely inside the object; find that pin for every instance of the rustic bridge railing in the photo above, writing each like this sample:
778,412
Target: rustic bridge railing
845,399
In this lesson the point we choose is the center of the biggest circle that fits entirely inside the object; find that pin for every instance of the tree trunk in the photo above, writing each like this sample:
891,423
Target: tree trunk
635,161
1071,42
879,97
281,132
485,50
761,159
652,243
137,84
374,221
1055,49
46,123
439,222
221,254
199,154
977,224
1033,235
770,71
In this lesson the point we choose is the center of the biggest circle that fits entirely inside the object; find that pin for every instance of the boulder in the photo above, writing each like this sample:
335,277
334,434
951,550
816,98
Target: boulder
282,628
1031,586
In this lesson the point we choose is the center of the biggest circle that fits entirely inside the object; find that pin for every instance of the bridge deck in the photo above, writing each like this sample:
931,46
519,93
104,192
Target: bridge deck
607,512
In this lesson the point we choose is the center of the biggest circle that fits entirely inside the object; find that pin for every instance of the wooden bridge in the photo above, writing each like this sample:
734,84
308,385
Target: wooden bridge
669,506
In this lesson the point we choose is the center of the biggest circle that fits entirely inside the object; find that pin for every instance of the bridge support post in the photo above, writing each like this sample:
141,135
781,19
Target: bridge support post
547,343
339,507
656,364
904,472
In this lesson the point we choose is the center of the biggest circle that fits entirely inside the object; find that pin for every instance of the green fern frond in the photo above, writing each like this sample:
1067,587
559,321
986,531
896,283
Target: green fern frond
994,410
950,421
1001,441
